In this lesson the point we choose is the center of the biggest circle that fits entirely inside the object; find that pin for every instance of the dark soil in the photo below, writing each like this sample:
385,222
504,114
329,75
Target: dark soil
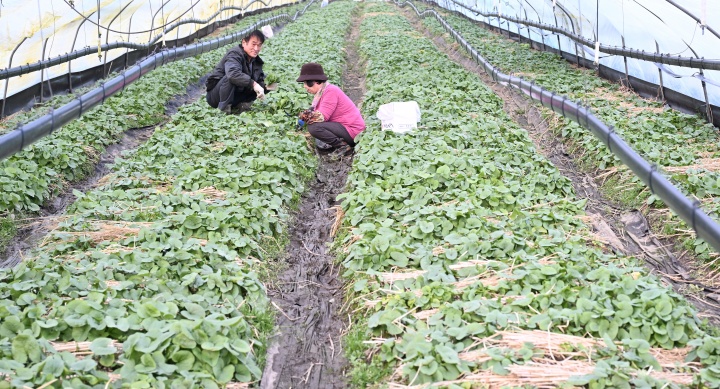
625,231
306,351
32,232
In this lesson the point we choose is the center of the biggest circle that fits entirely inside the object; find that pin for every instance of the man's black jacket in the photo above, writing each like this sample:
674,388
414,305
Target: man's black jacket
238,69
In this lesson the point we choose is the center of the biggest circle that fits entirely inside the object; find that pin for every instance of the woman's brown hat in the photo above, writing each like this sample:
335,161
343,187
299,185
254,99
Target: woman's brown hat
312,71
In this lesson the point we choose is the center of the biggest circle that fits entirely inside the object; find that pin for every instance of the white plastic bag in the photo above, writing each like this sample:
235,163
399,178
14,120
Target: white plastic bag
267,31
400,117
324,4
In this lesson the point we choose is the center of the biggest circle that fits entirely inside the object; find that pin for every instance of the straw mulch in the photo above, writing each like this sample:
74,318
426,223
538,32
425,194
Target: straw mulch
485,279
339,216
353,239
237,385
709,164
539,375
210,193
559,357
80,349
392,277
106,230
555,345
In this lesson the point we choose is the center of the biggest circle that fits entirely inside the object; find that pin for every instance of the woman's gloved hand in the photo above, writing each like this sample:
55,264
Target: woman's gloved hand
309,116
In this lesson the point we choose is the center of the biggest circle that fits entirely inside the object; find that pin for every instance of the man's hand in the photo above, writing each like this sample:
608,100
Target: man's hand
259,90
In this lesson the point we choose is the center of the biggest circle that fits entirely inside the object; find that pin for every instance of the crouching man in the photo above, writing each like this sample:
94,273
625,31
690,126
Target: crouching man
238,79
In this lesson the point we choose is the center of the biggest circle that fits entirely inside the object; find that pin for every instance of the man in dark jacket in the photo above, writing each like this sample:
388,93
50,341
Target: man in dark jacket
238,79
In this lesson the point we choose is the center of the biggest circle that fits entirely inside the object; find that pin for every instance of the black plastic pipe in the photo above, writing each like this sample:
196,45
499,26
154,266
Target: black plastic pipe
688,210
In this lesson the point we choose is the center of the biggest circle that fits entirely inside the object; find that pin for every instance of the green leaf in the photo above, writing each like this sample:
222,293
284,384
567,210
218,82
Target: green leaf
426,227
454,238
192,222
399,259
54,366
107,360
193,311
183,359
226,375
652,294
148,364
381,243
87,364
102,346
26,348
447,354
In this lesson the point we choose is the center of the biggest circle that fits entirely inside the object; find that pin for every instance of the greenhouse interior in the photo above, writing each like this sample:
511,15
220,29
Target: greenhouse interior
360,194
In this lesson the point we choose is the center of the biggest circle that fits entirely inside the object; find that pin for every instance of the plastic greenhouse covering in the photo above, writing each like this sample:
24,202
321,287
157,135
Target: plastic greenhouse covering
530,224
687,28
32,31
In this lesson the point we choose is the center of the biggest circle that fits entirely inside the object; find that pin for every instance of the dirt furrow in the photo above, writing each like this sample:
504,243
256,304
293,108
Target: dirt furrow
306,351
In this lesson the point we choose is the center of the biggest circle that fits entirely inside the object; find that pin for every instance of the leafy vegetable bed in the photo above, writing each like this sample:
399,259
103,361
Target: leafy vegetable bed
469,257
685,146
29,178
151,281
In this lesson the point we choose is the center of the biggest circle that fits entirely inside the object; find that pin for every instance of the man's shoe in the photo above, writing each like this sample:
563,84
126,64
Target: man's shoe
244,107
226,109
341,151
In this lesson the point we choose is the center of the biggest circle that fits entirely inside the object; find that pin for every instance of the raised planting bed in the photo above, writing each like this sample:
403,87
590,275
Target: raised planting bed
683,146
468,254
156,277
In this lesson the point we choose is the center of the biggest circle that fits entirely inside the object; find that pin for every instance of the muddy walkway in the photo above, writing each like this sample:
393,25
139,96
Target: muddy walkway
306,351
32,231
623,230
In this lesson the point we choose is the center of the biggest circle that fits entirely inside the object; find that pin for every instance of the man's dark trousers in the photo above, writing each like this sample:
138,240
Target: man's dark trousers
226,94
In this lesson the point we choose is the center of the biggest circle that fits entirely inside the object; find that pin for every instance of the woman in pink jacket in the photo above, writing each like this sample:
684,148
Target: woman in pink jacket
333,118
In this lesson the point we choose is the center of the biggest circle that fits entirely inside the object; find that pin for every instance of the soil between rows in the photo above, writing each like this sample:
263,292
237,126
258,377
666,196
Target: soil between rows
306,351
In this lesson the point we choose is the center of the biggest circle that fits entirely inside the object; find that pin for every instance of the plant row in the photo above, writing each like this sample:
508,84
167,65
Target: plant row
30,178
151,280
469,257
684,146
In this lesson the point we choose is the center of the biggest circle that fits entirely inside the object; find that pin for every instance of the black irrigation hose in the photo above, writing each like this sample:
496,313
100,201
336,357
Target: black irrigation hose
40,65
667,59
688,210
31,132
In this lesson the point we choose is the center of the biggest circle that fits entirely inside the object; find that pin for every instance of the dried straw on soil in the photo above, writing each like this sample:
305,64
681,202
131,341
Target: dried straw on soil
556,361
391,277
353,239
555,345
485,279
709,164
109,230
80,348
237,385
211,194
339,216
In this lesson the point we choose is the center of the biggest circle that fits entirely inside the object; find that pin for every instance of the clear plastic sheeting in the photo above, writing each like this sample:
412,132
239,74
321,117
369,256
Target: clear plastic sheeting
35,30
678,28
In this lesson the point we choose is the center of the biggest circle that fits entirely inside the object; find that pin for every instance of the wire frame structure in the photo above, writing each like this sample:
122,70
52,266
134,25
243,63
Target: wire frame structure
49,46
662,48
